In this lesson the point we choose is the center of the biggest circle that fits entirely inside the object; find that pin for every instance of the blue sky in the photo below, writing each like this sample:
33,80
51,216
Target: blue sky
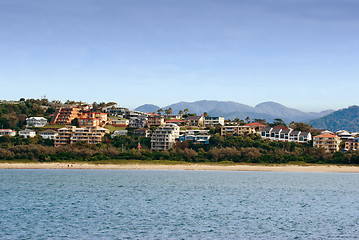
301,53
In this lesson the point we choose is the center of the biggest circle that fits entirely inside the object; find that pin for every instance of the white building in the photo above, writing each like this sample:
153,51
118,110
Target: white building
36,122
345,135
285,135
27,133
7,132
165,137
119,133
48,134
213,121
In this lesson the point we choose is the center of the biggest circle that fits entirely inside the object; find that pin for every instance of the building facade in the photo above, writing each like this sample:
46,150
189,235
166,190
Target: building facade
237,130
63,116
330,142
36,122
27,133
213,121
352,145
164,137
7,132
48,134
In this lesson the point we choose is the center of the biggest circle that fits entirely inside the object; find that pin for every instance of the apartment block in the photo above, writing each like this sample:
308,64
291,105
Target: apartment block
237,130
213,121
284,134
165,137
90,135
155,120
330,142
352,145
64,116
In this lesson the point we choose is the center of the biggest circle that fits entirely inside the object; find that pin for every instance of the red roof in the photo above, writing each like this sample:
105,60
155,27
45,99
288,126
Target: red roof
255,124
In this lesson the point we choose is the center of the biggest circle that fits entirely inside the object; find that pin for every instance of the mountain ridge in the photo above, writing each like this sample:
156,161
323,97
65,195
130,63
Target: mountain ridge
229,109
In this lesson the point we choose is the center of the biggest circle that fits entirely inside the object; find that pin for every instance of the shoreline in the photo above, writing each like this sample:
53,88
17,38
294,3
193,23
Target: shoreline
189,166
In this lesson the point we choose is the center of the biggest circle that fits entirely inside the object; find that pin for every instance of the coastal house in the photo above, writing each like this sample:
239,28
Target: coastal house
176,121
329,142
285,134
138,122
345,135
7,132
195,121
120,122
164,137
213,121
115,110
196,136
27,133
119,133
36,122
155,120
141,132
48,134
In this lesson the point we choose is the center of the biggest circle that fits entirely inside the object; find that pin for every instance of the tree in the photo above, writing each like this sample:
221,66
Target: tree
278,122
75,122
300,126
205,114
247,119
186,111
259,120
160,111
180,113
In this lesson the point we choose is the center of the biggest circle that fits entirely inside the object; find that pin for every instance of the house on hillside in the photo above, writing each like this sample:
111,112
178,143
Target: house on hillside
352,145
48,134
36,122
195,121
27,133
213,121
7,132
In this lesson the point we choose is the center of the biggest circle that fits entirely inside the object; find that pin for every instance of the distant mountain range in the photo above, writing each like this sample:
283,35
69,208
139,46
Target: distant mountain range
231,110
343,119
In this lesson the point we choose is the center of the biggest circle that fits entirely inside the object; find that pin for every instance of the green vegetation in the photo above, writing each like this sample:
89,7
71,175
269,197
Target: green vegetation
221,150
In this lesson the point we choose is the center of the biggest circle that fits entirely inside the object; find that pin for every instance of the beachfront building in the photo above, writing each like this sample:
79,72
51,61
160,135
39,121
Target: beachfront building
329,142
196,136
213,121
72,134
231,130
36,122
352,145
63,116
195,121
165,137
27,133
285,134
90,135
48,134
7,132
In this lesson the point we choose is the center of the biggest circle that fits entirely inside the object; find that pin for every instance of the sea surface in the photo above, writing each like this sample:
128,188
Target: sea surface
149,204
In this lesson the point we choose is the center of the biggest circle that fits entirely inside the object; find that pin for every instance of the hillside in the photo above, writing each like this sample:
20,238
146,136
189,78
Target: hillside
347,119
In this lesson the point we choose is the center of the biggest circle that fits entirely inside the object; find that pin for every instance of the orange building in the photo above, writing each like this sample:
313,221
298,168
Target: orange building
64,116
329,142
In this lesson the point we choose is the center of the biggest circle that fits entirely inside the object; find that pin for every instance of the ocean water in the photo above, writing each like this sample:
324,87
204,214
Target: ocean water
136,204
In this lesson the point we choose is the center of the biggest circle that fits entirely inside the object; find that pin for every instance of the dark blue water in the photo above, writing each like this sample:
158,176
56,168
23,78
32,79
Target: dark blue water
133,204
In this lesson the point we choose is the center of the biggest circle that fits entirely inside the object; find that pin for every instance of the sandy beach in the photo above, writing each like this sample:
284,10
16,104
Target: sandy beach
204,167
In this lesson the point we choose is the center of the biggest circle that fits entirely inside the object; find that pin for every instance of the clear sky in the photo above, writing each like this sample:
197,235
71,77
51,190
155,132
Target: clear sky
301,53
